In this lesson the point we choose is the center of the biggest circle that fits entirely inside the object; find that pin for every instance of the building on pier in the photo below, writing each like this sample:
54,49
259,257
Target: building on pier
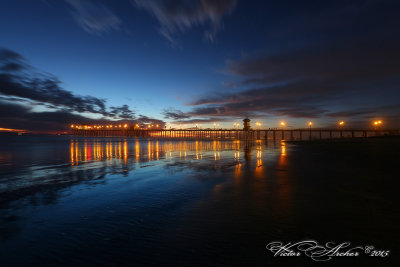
246,125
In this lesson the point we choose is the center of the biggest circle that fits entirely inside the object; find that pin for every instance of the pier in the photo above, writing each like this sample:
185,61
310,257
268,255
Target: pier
235,134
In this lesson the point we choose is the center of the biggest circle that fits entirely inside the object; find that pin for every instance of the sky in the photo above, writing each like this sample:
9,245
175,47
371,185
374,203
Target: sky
187,62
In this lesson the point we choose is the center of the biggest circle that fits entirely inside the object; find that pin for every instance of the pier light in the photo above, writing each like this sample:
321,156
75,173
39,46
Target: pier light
377,123
341,123
310,123
283,123
72,126
125,125
157,125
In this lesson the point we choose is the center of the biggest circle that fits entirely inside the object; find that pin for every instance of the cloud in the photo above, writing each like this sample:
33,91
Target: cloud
367,111
48,90
229,85
306,83
22,81
180,15
347,62
17,116
143,120
22,88
122,112
11,61
175,114
202,120
94,17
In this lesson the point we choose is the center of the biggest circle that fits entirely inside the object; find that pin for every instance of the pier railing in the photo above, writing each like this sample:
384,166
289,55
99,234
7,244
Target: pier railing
274,134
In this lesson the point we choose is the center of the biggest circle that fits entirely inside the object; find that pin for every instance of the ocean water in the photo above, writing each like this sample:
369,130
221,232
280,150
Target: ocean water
115,201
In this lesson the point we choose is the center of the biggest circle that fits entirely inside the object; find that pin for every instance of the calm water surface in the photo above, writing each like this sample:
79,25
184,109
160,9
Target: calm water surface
66,200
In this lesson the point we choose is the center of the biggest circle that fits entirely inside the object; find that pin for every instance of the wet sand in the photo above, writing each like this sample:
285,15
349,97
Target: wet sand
139,202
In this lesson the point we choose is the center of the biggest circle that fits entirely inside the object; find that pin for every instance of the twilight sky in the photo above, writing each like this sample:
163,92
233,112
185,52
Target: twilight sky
206,61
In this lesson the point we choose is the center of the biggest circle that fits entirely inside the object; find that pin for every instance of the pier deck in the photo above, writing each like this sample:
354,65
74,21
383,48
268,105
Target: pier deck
274,134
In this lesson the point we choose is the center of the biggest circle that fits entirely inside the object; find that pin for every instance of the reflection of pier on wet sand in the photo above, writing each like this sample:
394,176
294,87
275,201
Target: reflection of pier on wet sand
273,134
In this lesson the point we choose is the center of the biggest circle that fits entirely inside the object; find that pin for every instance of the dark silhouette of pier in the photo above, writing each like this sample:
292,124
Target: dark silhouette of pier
235,134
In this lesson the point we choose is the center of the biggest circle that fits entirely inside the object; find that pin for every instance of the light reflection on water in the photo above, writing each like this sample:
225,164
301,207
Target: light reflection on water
102,156
84,151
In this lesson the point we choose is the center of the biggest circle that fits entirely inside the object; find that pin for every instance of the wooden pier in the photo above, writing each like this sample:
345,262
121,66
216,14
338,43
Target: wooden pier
234,134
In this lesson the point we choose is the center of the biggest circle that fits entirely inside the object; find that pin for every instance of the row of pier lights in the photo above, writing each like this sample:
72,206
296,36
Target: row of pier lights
113,127
341,124
236,125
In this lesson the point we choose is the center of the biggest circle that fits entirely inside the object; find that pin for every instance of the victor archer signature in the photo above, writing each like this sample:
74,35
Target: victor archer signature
319,252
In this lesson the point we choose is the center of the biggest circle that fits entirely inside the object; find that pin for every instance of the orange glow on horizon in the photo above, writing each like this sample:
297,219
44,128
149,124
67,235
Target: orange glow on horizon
13,130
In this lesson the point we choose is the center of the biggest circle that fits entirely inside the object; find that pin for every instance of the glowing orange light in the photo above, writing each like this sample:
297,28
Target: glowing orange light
310,123
72,126
283,123
11,130
125,125
341,123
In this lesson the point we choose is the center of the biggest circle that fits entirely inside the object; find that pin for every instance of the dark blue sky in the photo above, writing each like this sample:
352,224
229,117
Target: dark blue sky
199,61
